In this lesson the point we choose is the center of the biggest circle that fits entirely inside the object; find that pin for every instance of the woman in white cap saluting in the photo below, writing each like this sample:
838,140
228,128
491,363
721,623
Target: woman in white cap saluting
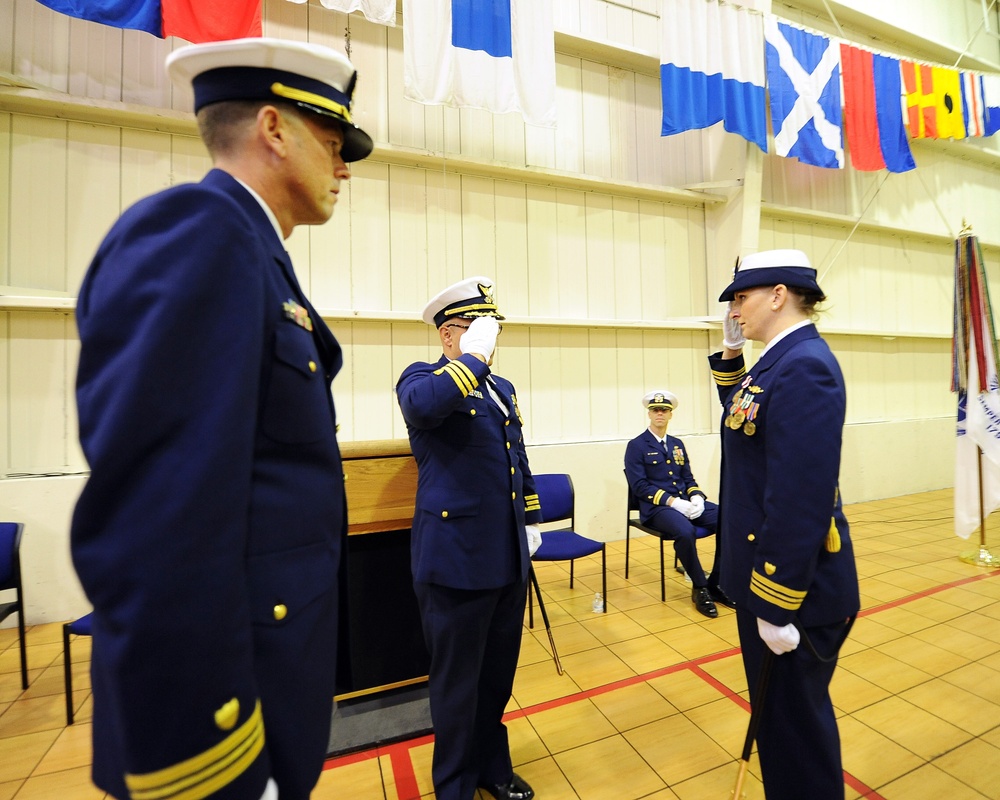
788,561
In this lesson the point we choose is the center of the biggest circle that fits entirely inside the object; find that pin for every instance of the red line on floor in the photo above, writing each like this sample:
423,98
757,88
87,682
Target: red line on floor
399,753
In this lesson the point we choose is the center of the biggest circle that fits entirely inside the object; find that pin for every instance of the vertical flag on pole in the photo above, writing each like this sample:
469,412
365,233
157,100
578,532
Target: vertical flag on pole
497,55
974,378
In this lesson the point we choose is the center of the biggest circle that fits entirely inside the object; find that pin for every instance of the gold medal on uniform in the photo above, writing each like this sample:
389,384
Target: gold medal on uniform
749,429
738,418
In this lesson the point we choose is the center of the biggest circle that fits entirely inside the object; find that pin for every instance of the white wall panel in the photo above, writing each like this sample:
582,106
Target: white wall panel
569,104
408,240
511,248
38,203
6,123
597,273
95,53
543,249
38,378
93,172
370,236
145,165
595,91
627,263
571,253
478,221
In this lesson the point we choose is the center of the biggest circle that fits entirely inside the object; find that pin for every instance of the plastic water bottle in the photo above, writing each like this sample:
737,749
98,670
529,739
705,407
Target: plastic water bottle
598,605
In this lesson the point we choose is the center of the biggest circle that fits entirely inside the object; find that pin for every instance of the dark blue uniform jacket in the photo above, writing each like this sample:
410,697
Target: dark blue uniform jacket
475,492
655,476
787,546
209,535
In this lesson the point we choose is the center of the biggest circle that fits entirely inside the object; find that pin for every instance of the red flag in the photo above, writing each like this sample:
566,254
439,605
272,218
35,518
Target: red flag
873,114
211,20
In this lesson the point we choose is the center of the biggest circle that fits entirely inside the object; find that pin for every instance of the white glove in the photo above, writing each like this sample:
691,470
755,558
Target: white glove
534,539
782,639
699,506
481,337
732,333
686,507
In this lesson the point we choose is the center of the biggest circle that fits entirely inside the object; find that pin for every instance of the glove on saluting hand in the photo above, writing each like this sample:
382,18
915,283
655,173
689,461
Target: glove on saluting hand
481,337
781,639
732,333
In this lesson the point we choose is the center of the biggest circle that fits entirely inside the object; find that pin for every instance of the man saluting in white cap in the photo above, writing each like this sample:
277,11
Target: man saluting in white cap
474,532
210,533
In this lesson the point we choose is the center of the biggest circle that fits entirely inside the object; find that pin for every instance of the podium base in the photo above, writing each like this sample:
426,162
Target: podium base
981,558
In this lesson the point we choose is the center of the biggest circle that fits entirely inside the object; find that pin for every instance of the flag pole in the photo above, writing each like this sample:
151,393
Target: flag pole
973,262
981,557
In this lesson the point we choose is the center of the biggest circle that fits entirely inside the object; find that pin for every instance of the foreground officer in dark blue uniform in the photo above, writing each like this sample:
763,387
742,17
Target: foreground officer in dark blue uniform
210,533
473,535
788,560
659,474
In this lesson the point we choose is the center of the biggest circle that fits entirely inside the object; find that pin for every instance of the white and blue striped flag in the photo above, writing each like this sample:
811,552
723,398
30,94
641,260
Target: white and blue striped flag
497,55
712,68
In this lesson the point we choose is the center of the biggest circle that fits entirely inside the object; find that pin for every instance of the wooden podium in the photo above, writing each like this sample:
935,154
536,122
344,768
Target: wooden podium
384,641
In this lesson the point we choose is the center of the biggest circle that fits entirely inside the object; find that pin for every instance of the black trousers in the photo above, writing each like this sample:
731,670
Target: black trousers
474,638
798,741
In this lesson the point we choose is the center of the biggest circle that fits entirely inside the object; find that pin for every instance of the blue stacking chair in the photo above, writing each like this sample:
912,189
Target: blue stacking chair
10,580
558,501
78,627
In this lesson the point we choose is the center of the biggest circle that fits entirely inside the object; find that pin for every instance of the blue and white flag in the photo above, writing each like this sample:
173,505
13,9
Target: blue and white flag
380,11
991,104
803,78
712,69
497,55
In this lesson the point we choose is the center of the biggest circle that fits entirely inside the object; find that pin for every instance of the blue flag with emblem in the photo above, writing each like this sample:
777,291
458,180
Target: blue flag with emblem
803,77
497,55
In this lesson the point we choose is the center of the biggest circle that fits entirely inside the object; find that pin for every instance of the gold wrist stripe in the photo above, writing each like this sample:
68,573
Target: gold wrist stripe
461,374
206,773
531,503
656,497
728,378
301,96
775,593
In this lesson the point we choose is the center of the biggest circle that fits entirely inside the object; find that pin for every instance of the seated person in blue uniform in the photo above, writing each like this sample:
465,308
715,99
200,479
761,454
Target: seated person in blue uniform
209,537
788,559
670,501
474,531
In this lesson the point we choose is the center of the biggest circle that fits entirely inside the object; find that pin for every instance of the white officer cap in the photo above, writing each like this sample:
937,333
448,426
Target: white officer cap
308,75
769,268
470,297
660,398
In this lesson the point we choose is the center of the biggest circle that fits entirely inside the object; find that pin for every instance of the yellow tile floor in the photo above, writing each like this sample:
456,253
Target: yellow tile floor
652,702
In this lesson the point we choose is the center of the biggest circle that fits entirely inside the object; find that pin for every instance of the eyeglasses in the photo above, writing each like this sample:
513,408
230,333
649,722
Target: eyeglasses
466,327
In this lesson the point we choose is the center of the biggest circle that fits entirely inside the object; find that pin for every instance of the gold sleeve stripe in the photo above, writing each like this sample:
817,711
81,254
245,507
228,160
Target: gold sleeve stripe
470,376
728,378
775,593
461,381
693,489
656,497
206,773
532,503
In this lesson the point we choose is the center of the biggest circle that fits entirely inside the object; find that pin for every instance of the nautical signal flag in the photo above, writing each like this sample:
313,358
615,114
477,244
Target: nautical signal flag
933,101
194,20
498,55
381,11
873,114
712,69
803,76
972,103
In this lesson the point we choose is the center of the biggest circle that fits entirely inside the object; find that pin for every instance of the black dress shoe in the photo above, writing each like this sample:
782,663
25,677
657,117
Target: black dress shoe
720,597
703,602
517,789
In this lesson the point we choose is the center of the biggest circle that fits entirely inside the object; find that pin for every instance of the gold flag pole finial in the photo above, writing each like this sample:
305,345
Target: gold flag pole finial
966,228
